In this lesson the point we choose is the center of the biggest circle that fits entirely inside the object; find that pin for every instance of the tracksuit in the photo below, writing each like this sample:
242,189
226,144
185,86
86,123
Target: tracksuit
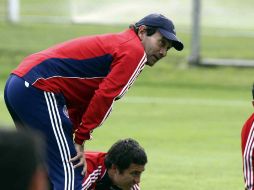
248,152
97,177
68,90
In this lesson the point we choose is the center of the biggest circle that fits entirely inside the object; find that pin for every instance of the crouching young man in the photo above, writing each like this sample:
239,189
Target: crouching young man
118,169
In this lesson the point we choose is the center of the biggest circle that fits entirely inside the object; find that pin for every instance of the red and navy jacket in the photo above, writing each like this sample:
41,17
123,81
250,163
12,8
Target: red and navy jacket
246,131
91,72
248,152
96,176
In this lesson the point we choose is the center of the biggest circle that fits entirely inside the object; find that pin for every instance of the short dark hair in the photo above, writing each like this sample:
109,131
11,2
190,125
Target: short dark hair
125,152
149,29
22,152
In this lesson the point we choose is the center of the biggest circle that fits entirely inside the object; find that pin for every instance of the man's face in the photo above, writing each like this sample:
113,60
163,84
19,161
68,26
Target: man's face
128,177
156,46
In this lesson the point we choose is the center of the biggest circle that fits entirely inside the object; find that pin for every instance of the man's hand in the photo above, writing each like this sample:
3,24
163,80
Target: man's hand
79,157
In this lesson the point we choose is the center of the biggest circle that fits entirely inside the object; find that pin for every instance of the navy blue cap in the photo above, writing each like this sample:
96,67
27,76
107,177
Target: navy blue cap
165,27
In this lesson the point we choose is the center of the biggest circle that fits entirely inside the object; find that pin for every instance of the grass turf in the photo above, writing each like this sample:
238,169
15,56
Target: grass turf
188,119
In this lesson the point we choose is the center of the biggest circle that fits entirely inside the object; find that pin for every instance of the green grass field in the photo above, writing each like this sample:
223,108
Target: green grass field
188,119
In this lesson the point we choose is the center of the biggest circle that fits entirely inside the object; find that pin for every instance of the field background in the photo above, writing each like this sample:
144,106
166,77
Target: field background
188,119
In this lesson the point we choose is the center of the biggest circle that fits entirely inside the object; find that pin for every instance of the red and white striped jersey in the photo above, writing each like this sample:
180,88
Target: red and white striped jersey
248,152
90,72
97,172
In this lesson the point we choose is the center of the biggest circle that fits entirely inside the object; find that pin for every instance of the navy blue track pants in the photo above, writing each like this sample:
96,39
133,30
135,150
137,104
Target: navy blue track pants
46,112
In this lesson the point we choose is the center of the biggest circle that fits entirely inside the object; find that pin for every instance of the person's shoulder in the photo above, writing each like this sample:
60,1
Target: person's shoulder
94,153
249,122
95,157
129,36
130,44
95,161
251,117
95,167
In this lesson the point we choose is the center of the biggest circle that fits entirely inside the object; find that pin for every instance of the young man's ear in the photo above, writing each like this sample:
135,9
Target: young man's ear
114,168
141,31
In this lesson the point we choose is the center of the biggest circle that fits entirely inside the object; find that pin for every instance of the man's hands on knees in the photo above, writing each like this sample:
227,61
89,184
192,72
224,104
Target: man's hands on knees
80,158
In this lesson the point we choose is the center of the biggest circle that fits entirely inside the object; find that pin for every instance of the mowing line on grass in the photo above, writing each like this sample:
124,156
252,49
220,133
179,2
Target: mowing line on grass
184,101
177,101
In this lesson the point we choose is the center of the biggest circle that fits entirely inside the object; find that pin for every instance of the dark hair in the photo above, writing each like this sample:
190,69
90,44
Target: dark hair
149,29
125,152
253,91
22,152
